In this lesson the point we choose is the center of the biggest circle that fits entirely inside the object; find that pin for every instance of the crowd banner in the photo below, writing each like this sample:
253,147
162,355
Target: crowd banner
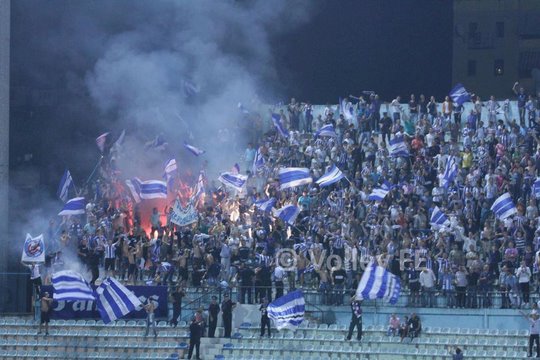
88,309
184,216
33,249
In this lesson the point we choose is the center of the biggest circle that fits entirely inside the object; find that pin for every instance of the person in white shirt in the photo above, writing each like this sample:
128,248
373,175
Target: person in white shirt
523,273
35,276
427,281
396,108
534,327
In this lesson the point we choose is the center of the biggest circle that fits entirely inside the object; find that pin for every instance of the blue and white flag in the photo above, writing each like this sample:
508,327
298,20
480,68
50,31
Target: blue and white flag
504,207
398,147
276,119
199,188
63,188
258,161
536,188
333,175
438,218
101,140
378,283
194,150
346,109
450,171
326,130
150,189
378,194
33,249
287,311
114,300
75,206
459,94
288,213
71,286
170,172
236,181
265,205
293,176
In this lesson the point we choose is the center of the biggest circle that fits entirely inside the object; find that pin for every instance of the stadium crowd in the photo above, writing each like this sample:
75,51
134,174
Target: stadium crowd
234,244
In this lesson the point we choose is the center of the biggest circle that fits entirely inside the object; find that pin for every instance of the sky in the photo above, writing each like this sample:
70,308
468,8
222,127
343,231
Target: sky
83,68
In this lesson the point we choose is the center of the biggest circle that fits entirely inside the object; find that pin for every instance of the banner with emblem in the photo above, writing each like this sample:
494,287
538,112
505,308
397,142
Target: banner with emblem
34,249
183,216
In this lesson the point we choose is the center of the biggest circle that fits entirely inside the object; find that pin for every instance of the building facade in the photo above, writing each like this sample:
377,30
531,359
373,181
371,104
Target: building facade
495,44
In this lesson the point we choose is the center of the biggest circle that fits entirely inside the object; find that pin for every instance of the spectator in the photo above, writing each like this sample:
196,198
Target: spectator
46,308
356,318
213,312
393,325
265,321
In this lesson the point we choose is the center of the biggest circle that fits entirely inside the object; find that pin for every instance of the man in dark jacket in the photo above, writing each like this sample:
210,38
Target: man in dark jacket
265,321
195,333
226,310
213,311
356,318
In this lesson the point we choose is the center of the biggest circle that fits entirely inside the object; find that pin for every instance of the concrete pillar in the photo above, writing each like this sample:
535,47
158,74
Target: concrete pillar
5,24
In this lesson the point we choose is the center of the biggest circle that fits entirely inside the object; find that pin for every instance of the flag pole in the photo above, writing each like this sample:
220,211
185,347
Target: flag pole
94,171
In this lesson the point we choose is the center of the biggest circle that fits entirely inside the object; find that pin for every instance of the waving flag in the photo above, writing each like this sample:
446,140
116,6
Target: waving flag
170,172
346,109
276,119
459,95
504,207
236,181
194,150
114,300
265,205
150,189
288,213
450,171
71,286
378,194
75,206
33,249
536,188
100,141
293,176
287,311
378,283
439,218
258,161
333,175
398,147
65,183
326,130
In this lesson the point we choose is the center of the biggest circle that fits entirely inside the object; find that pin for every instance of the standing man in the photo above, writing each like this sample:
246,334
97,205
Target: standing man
265,321
213,311
35,276
226,312
534,324
356,318
195,334
177,305
46,306
150,318
427,281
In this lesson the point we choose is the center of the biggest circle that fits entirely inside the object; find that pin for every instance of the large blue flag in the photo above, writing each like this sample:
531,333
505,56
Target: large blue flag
332,176
450,171
276,119
63,188
266,204
398,147
75,206
326,130
439,218
236,181
459,94
287,311
71,286
293,176
504,206
288,213
194,150
114,300
378,283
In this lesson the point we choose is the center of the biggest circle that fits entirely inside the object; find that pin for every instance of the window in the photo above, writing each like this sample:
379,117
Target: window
473,28
498,67
499,29
471,68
